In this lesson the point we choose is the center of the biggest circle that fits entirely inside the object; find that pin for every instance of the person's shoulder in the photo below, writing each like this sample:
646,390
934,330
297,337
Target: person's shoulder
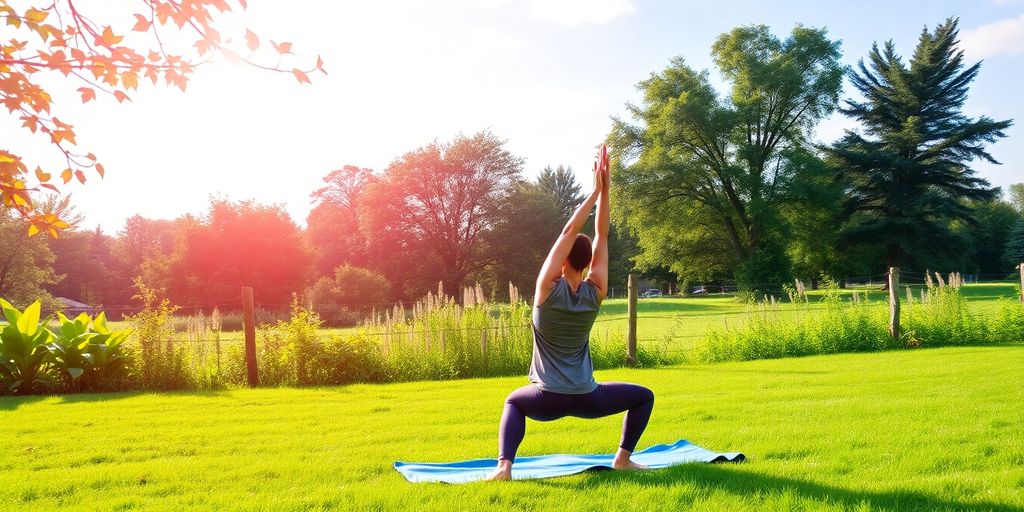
594,288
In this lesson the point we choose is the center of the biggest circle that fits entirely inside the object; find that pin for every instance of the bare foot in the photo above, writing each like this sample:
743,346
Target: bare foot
626,465
503,472
622,461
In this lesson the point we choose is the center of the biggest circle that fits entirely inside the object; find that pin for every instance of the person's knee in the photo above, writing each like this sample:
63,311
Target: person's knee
646,395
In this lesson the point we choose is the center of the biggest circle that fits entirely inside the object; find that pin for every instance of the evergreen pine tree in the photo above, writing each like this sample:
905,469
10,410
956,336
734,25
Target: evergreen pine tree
907,175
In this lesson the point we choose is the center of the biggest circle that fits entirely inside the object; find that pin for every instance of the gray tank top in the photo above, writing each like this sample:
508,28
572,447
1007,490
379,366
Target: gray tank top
561,340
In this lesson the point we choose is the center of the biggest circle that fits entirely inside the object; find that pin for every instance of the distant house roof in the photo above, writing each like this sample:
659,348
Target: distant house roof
73,304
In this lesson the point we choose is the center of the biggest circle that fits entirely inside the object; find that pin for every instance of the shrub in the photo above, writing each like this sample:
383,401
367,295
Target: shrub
160,361
345,298
24,357
88,355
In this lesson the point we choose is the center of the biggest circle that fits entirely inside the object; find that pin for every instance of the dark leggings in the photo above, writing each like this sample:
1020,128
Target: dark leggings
609,398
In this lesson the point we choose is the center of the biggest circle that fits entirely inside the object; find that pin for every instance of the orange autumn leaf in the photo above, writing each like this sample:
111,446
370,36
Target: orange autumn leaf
81,176
282,48
66,175
42,176
108,38
252,40
142,24
130,80
35,15
87,94
300,76
99,169
121,96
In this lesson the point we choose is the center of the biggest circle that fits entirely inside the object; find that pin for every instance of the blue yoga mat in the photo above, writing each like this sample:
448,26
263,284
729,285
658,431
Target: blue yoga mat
546,466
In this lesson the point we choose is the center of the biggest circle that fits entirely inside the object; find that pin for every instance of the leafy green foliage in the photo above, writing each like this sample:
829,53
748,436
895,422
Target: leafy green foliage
1013,255
907,175
345,299
943,318
161,362
699,178
88,355
26,262
24,357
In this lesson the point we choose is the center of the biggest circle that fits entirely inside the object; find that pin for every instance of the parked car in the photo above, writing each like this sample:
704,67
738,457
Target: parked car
653,292
699,290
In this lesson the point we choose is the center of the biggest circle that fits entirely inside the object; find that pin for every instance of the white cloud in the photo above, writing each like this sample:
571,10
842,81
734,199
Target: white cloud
571,13
999,38
487,39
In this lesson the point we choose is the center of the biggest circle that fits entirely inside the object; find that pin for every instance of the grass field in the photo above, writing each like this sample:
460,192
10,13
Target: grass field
937,429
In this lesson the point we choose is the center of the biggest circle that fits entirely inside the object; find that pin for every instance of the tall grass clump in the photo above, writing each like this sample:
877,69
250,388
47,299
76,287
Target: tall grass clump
437,338
942,318
838,326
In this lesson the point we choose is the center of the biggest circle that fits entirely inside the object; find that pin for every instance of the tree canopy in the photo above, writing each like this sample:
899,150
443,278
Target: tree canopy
700,177
908,174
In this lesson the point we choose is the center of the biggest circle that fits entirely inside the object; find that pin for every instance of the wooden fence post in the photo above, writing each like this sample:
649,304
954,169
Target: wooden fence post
249,322
631,337
1021,267
894,302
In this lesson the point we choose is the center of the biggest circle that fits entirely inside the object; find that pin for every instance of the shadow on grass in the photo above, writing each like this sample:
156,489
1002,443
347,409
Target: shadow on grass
733,479
9,403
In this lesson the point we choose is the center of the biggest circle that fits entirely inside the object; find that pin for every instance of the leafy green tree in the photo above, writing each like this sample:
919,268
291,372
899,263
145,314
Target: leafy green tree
986,237
26,262
699,178
529,222
907,176
86,262
1017,197
1013,255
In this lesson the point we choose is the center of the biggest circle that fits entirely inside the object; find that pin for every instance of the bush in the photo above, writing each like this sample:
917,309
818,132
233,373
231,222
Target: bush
25,361
346,298
161,363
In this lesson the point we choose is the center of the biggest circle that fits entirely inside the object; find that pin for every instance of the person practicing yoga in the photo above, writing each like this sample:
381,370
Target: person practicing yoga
565,306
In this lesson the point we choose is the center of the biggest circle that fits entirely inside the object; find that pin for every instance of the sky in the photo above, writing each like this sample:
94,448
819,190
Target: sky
547,76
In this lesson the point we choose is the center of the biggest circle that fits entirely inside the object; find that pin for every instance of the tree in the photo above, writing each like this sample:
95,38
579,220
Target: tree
56,37
425,219
528,222
560,184
26,263
907,177
348,296
699,178
332,227
1017,197
235,245
1013,255
987,236
85,261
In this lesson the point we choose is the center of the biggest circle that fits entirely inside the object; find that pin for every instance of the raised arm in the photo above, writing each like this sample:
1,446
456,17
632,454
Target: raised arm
552,267
599,265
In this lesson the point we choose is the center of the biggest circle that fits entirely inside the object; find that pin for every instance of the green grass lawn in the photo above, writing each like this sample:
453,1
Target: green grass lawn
938,429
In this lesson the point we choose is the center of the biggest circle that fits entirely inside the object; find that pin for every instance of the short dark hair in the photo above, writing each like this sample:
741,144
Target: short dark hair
581,253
